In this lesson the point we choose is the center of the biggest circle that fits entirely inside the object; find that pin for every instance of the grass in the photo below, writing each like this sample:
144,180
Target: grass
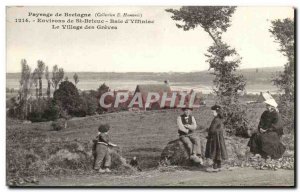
35,149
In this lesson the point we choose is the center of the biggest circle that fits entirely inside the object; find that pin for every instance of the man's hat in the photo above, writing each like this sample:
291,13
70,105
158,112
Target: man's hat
103,128
216,107
185,108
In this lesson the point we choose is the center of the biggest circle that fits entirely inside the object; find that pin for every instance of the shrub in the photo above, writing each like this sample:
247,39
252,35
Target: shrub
52,113
67,97
286,110
35,117
59,124
43,110
236,122
90,104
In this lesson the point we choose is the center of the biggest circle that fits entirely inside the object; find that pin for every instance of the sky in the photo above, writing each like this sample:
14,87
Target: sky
158,47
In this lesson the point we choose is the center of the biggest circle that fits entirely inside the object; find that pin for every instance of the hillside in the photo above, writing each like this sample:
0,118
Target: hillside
142,134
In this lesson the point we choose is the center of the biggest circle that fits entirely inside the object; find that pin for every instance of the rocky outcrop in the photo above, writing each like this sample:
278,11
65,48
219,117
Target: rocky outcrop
175,153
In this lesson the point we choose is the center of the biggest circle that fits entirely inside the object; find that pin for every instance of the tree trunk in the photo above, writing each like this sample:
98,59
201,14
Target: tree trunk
211,35
48,89
40,88
36,92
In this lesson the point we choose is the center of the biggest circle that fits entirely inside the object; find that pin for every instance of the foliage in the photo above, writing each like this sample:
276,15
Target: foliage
57,76
76,78
67,97
43,110
236,122
101,90
283,32
47,76
223,59
214,19
90,103
59,124
35,82
24,89
40,72
228,84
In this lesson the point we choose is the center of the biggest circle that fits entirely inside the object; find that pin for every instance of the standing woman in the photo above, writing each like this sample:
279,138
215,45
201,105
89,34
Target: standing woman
215,146
267,142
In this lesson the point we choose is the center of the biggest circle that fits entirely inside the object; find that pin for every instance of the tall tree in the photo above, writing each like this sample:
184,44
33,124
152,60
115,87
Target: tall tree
40,73
284,33
24,88
57,76
47,76
228,83
221,57
76,78
214,20
35,81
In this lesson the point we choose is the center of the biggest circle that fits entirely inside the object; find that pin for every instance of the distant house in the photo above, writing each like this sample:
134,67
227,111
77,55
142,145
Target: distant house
165,88
157,88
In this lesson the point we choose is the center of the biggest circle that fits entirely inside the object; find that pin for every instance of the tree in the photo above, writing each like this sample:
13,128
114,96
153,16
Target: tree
47,76
40,72
214,20
223,59
68,98
57,76
283,31
90,104
24,89
76,78
228,84
101,90
35,81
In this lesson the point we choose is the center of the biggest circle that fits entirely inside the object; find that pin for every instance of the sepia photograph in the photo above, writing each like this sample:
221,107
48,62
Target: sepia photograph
150,96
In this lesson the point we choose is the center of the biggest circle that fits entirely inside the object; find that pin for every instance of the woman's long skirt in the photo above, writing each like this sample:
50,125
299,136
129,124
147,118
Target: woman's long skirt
215,147
266,144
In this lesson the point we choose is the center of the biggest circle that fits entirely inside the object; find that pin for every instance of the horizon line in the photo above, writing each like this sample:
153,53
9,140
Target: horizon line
155,72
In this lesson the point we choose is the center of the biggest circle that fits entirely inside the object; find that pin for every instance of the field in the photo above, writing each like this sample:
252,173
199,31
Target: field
34,150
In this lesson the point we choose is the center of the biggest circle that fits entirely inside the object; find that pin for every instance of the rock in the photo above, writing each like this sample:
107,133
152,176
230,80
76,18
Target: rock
175,153
59,124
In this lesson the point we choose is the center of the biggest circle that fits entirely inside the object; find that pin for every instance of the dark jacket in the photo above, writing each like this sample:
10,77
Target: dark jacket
271,122
216,126
215,146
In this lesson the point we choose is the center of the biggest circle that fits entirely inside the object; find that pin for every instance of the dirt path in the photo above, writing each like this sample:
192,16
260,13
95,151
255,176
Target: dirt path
236,177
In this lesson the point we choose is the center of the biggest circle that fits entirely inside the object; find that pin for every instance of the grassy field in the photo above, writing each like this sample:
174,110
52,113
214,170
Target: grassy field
34,149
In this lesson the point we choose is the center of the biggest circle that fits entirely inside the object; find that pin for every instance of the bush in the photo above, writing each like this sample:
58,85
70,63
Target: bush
35,117
286,110
67,97
90,104
52,113
59,124
43,110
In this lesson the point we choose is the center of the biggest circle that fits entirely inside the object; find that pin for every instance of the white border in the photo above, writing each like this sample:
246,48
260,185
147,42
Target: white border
5,3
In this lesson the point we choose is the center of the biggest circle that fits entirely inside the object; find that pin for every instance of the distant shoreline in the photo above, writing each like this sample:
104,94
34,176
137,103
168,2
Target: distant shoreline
276,68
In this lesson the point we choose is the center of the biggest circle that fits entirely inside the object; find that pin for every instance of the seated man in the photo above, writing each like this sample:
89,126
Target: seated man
186,125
